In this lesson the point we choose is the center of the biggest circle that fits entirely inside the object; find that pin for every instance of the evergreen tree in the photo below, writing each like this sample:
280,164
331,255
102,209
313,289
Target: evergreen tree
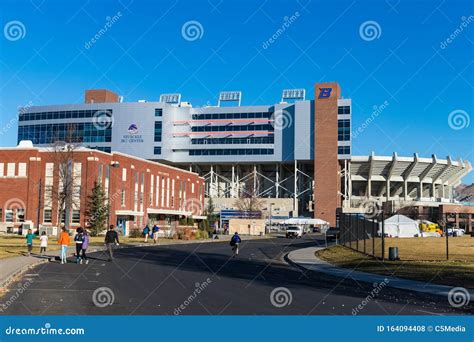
97,211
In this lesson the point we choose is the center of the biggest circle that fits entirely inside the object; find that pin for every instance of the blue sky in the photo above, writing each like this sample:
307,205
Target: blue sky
409,63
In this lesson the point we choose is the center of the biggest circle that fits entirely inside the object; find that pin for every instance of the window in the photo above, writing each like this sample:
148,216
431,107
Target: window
343,150
22,170
344,130
11,170
158,130
158,112
1,214
122,201
344,110
8,215
99,173
157,150
47,216
1,169
76,216
20,215
124,175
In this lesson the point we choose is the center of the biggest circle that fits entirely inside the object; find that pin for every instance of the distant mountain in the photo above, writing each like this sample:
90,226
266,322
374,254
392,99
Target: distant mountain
464,192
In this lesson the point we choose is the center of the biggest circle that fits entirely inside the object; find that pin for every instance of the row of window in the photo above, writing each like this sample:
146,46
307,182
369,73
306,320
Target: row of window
344,110
10,213
216,116
158,130
70,114
219,141
344,130
80,132
232,128
11,170
226,152
343,150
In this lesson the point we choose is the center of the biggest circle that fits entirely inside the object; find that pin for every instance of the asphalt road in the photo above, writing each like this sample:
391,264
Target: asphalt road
203,279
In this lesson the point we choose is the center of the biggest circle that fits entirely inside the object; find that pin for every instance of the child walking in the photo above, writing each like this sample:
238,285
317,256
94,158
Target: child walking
43,243
64,242
29,241
79,239
85,244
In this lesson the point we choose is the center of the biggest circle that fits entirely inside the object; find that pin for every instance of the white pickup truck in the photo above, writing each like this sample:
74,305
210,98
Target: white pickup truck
294,232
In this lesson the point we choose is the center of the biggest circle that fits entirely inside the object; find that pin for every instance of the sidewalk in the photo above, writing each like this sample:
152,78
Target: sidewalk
306,258
11,268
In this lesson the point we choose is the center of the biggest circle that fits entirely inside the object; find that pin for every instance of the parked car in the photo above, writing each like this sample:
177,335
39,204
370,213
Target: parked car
333,233
294,232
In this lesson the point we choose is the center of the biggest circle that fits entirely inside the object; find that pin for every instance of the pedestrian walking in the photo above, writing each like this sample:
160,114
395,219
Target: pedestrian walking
111,239
64,243
146,232
85,245
43,242
155,231
78,240
29,241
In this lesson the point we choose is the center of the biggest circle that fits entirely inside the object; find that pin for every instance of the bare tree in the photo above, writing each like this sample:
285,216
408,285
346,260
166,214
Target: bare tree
249,200
66,191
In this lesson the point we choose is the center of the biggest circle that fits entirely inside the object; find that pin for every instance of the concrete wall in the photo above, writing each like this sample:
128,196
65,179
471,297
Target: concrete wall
247,227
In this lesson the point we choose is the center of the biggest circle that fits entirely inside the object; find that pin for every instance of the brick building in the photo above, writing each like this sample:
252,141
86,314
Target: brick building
139,191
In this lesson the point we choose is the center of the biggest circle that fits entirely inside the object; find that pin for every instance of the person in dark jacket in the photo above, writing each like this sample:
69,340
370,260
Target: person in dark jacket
155,231
111,239
78,240
234,242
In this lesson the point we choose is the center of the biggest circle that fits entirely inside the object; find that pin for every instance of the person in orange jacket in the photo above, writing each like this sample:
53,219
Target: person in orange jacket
64,242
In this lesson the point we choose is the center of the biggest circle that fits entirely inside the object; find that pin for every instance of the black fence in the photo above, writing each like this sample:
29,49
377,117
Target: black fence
427,237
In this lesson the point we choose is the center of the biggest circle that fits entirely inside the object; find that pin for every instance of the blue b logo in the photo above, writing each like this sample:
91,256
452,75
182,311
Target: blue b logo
324,93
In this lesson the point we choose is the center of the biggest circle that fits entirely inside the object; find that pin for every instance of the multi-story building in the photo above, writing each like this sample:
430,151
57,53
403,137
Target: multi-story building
36,181
265,150
295,154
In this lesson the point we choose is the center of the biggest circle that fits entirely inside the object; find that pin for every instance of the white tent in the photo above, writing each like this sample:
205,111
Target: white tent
305,221
400,226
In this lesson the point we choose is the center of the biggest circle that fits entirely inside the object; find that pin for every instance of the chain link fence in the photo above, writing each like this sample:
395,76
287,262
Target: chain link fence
416,237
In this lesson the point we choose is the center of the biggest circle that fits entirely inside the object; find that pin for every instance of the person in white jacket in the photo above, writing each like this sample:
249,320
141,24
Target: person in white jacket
43,243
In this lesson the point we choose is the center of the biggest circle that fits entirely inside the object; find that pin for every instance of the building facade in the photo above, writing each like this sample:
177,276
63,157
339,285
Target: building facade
295,155
35,181
268,150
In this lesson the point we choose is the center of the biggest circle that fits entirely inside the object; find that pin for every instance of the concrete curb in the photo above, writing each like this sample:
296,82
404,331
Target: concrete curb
306,259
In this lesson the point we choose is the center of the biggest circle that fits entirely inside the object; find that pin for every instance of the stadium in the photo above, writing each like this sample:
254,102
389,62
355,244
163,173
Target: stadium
294,155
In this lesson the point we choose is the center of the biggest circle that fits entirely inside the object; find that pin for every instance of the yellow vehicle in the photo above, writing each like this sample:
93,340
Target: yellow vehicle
430,228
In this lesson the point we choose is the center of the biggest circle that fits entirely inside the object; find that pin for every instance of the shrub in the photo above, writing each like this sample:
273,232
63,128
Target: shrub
135,233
